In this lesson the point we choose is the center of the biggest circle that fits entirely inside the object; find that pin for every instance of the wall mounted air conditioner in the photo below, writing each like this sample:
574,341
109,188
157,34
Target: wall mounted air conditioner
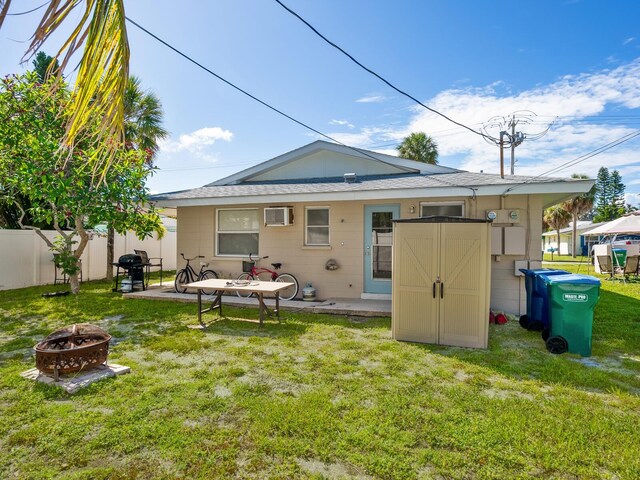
278,216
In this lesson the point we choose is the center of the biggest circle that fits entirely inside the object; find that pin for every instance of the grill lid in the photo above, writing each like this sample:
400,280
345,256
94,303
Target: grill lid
130,259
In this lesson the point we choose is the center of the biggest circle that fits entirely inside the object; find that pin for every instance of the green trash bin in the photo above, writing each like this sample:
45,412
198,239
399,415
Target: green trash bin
572,299
620,257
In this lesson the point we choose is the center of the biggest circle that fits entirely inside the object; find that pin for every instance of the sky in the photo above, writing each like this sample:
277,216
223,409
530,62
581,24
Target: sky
568,68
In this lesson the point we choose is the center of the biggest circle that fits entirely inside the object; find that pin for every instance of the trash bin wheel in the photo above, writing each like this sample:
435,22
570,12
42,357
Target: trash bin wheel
546,333
524,322
557,345
535,326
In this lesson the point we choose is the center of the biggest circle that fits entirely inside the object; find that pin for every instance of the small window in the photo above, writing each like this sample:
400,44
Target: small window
316,226
451,209
238,231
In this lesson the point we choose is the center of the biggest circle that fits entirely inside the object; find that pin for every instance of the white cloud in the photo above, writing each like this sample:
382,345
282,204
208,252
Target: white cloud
577,101
373,98
632,199
197,141
627,41
345,123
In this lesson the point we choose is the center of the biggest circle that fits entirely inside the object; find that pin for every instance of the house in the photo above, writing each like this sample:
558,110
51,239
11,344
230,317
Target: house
327,203
550,239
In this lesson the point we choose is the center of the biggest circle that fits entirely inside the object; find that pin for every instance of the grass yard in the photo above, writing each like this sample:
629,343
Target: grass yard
316,397
547,257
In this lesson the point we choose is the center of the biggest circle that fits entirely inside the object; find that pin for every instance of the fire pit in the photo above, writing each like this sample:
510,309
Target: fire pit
71,349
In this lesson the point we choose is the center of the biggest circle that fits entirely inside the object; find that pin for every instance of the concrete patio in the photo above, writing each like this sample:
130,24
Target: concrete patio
336,306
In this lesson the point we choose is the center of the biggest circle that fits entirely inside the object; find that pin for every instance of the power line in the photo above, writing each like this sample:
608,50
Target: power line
380,77
28,11
253,97
580,159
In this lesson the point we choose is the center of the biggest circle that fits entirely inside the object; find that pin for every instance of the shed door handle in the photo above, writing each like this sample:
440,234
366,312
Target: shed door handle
434,289
442,290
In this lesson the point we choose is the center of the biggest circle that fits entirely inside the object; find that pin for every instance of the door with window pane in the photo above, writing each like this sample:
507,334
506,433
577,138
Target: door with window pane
378,242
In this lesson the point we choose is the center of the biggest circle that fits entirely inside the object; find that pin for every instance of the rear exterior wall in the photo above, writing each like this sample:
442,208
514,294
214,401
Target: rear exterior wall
196,233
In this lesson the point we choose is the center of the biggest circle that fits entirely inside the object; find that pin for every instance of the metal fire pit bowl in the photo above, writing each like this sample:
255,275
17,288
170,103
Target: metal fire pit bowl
71,349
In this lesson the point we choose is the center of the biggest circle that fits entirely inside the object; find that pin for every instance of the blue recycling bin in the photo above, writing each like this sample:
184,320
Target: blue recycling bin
537,316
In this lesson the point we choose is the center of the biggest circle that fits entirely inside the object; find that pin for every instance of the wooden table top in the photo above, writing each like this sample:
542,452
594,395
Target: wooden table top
228,285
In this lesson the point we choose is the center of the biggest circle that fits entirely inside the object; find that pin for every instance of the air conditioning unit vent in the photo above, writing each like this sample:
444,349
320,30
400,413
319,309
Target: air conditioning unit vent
278,216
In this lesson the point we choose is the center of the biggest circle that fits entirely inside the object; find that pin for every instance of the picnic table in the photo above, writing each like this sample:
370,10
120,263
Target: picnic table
259,288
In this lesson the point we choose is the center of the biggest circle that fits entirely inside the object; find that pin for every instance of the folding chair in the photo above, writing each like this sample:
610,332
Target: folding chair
147,262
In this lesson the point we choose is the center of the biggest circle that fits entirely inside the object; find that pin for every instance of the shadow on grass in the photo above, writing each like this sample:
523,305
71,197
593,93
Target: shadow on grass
522,355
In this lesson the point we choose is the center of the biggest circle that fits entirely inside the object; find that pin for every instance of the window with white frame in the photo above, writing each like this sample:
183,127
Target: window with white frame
238,231
447,209
316,226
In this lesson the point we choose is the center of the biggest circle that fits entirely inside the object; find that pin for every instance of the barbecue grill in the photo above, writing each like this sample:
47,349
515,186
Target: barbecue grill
132,272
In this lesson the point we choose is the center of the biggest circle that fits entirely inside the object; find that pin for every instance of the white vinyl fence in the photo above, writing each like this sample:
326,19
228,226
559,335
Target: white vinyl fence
25,260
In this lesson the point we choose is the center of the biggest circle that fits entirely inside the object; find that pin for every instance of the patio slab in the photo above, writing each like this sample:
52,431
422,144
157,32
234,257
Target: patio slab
72,382
337,306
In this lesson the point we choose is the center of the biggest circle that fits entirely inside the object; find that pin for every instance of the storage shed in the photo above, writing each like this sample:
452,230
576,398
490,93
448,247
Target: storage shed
441,280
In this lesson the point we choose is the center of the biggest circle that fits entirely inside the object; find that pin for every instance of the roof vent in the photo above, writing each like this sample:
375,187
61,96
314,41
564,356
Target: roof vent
350,178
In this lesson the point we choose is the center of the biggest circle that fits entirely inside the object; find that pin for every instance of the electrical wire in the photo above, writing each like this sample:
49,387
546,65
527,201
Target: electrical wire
253,97
580,159
28,11
380,77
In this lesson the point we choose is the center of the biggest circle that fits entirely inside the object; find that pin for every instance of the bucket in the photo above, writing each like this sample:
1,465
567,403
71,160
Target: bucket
127,285
309,293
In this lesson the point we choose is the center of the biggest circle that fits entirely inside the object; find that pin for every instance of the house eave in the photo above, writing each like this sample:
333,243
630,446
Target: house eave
548,190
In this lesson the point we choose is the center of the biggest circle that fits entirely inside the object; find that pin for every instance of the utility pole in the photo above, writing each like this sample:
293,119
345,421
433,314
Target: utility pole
513,144
509,136
502,134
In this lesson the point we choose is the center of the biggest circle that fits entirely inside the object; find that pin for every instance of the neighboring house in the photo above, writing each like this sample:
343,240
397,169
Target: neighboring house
339,202
550,239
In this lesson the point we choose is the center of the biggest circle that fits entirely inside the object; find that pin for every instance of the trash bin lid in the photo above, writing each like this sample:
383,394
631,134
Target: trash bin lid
572,278
542,271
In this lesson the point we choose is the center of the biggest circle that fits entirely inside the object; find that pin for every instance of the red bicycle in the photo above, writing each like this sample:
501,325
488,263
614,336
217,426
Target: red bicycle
252,272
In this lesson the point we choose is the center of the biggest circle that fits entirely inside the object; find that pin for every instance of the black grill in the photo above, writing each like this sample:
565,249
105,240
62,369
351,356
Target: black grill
132,267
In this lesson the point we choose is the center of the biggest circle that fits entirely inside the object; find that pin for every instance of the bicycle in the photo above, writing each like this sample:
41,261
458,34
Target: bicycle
188,275
251,272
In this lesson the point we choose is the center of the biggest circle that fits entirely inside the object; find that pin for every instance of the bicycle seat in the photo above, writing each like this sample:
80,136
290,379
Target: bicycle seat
276,265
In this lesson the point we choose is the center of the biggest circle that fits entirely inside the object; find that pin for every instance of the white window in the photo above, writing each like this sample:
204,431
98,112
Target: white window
447,209
237,231
316,226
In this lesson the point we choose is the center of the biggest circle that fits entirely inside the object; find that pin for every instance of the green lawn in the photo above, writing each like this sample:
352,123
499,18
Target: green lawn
547,257
316,396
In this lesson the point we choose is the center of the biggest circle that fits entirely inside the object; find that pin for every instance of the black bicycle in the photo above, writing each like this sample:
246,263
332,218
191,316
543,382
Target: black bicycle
188,275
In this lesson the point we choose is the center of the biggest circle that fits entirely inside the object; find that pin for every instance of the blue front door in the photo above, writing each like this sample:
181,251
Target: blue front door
378,239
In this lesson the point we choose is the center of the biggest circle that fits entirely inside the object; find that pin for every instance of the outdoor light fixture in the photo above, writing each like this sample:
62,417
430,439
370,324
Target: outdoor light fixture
412,209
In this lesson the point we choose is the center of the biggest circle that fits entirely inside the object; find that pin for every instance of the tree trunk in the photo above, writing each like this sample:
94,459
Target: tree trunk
575,231
74,279
110,252
558,241
74,283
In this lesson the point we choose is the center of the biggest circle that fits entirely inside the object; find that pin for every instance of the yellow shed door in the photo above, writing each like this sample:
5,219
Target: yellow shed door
464,272
415,270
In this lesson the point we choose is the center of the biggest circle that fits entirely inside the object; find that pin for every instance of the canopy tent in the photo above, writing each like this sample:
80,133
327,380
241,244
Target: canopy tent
629,225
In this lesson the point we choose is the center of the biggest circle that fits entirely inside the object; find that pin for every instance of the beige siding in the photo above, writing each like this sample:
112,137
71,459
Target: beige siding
196,236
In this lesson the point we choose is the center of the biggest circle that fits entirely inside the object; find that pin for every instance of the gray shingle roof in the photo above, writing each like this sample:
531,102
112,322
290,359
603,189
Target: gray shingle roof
370,183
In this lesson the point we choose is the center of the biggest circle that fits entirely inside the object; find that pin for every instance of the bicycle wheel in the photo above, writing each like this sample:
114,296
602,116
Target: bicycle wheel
182,278
208,293
288,293
245,277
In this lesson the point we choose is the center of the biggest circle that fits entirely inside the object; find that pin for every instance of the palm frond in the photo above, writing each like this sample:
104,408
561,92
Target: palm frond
103,70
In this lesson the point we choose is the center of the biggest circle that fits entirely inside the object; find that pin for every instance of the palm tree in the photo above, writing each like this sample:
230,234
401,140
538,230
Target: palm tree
102,73
579,206
142,129
557,218
420,147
